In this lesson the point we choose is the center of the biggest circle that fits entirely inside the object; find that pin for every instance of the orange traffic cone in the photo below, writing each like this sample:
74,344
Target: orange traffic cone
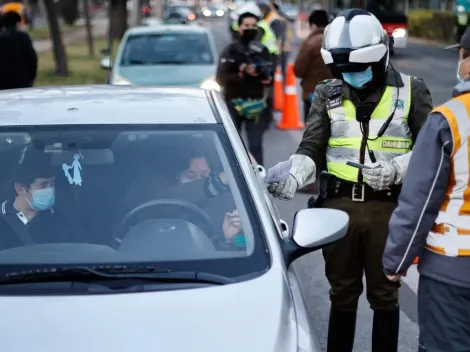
416,261
278,90
290,115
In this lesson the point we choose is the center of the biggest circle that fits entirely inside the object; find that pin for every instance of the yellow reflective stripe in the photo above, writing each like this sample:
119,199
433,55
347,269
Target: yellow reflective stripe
349,110
384,144
408,100
343,171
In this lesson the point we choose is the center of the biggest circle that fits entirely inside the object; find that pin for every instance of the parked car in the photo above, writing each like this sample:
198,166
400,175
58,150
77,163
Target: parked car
212,12
165,273
165,55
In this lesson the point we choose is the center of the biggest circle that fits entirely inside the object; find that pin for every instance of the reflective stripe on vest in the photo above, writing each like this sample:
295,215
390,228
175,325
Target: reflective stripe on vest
462,19
346,136
269,38
450,234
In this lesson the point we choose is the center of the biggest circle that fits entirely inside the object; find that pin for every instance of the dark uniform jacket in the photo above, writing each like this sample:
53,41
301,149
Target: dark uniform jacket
317,133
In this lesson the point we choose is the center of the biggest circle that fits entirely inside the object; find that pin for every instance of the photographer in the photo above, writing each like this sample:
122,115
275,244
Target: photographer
244,72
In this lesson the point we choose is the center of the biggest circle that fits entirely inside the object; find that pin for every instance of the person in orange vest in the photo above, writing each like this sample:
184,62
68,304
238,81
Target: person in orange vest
432,220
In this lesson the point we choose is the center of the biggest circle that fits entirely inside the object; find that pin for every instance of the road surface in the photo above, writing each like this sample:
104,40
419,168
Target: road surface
438,69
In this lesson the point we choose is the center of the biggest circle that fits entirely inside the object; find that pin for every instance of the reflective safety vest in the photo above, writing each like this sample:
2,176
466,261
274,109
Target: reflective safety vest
268,39
462,19
346,136
450,234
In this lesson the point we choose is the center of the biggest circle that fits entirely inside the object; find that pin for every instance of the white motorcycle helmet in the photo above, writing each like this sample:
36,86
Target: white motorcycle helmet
354,41
249,7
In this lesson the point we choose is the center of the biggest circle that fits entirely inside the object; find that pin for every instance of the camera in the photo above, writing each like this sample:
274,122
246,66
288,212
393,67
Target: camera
253,54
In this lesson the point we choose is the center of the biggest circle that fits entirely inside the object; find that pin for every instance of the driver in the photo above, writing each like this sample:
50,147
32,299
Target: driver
198,184
28,218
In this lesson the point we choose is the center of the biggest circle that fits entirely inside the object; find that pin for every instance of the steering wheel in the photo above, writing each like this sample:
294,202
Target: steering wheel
166,208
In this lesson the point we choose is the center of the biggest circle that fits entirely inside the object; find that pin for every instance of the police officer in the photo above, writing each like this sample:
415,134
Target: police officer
368,114
434,212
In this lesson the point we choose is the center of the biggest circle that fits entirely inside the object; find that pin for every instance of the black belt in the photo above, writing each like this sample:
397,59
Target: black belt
363,192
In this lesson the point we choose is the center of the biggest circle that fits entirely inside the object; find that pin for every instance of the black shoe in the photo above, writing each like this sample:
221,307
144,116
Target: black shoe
385,330
341,330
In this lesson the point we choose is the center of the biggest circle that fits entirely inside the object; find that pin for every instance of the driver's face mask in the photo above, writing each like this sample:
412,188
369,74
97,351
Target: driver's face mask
42,199
358,80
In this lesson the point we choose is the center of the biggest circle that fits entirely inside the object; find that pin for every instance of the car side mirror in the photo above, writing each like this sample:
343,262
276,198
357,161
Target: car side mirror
312,230
106,63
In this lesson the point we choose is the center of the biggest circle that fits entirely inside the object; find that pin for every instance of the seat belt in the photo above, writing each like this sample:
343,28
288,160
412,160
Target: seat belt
20,230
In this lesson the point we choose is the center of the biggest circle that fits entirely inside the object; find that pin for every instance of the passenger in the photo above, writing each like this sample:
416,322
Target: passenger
29,217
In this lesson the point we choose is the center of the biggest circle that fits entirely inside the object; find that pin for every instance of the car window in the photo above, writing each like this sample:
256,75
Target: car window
169,194
167,48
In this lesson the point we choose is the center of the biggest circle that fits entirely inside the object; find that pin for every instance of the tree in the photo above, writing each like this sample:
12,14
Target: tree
89,32
69,11
118,18
58,49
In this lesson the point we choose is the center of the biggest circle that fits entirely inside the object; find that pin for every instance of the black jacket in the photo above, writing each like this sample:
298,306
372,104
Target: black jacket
46,227
18,60
228,75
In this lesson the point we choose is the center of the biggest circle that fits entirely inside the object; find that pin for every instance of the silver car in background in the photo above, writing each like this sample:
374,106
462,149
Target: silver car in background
150,181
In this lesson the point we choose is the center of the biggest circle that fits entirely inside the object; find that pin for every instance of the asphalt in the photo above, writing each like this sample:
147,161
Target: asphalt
438,69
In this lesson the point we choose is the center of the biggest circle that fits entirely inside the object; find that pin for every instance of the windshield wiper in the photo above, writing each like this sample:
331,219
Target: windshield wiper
86,273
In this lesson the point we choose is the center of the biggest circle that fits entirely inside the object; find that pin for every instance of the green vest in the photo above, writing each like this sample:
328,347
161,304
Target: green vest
462,19
346,136
268,39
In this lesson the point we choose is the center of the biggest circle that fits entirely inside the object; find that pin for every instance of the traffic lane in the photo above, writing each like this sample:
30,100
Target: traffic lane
436,66
278,146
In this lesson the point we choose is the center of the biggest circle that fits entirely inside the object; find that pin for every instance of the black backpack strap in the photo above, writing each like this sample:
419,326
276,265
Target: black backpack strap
19,229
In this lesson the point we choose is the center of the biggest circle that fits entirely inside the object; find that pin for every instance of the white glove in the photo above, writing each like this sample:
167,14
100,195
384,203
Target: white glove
385,174
286,177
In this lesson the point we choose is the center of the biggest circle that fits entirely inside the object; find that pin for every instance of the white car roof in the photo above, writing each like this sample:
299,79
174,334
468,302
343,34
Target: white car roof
166,28
105,104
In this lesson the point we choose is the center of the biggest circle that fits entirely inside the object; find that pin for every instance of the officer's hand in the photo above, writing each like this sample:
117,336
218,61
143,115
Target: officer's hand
381,176
284,189
251,70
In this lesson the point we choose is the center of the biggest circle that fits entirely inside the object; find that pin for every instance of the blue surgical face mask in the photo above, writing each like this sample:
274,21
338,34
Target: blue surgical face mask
358,79
42,199
460,79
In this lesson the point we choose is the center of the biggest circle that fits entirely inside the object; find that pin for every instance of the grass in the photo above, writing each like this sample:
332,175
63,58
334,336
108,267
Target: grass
42,33
82,68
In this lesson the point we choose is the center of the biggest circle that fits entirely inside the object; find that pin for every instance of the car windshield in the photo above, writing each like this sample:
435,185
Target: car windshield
167,48
96,195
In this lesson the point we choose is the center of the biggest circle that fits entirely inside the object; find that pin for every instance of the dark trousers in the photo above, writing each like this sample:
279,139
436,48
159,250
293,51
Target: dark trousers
358,253
307,105
444,316
346,261
254,131
284,58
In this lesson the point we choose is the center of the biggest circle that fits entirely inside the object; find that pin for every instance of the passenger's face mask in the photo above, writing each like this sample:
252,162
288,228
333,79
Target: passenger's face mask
42,199
358,80
249,34
460,79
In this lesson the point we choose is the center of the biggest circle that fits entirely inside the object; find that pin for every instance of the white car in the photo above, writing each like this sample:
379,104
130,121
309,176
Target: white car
165,55
159,236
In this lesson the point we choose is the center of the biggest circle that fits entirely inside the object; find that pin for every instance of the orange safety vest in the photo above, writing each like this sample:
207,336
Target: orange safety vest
450,235
17,7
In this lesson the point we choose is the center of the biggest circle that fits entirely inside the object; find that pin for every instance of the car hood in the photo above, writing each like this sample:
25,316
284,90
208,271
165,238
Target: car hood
167,75
256,315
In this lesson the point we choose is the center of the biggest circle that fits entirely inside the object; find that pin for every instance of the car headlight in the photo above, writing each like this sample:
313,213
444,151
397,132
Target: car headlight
399,33
210,84
120,81
219,13
206,12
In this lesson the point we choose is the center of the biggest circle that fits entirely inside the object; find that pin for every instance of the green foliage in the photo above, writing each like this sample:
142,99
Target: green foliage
432,24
